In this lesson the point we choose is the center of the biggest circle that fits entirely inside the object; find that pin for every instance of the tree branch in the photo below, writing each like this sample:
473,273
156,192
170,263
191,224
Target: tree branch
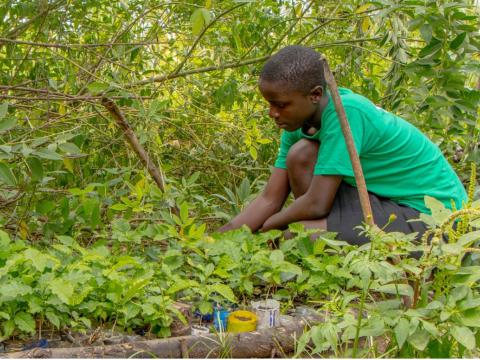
70,46
352,151
19,29
231,65
133,141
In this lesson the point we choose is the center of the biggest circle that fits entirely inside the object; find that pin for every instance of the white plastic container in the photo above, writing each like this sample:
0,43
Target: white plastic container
268,313
200,330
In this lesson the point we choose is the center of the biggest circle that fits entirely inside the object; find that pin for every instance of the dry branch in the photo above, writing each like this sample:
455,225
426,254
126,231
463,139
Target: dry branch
133,141
352,151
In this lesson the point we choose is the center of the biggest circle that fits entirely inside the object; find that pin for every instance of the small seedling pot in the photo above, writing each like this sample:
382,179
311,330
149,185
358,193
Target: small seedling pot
268,313
242,321
200,330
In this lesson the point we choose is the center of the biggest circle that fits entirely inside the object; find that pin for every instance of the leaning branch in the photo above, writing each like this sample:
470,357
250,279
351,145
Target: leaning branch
352,151
133,141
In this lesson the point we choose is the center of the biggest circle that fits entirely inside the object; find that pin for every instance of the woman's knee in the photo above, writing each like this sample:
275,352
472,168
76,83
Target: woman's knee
303,154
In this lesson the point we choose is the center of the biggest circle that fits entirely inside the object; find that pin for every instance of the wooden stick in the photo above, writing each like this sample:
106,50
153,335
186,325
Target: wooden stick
352,151
132,139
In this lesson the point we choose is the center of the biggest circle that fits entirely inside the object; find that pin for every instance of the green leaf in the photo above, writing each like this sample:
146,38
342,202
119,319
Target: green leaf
458,41
119,207
39,260
400,289
181,285
54,319
248,286
426,32
432,48
4,315
4,239
468,304
14,289
296,227
6,175
130,310
419,339
431,328
374,327
401,331
8,329
469,238
305,246
458,293
7,123
470,317
205,307
334,243
197,20
207,17
45,206
47,154
276,256
253,152
184,212
451,249
3,110
290,268
97,87
464,336
25,322
70,148
36,168
439,212
63,289
223,290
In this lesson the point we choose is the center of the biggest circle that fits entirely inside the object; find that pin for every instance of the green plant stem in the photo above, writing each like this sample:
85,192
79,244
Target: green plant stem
359,320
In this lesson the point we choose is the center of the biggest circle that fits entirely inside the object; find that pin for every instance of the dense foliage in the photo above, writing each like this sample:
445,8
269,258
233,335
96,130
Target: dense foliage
87,236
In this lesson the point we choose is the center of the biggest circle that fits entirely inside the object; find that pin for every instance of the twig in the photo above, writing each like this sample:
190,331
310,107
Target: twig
15,32
6,202
97,65
289,30
197,40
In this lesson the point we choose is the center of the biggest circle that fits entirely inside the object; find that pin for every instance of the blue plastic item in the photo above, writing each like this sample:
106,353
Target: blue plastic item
220,319
204,317
42,343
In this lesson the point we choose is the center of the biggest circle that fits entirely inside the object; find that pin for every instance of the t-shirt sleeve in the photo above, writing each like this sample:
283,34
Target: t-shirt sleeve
333,158
286,141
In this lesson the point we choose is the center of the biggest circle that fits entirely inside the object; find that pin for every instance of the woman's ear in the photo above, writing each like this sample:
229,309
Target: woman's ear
316,93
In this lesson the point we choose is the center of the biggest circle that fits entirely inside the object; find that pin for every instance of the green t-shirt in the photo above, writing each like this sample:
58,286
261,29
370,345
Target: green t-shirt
398,161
